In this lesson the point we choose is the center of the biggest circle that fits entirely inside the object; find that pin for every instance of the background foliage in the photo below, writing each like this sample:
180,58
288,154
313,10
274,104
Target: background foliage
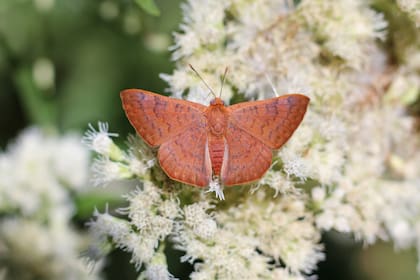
96,48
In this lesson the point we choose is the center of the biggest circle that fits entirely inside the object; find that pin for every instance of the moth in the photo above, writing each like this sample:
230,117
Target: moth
198,143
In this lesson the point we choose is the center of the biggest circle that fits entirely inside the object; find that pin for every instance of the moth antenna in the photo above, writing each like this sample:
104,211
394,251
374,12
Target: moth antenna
223,81
201,78
271,84
208,94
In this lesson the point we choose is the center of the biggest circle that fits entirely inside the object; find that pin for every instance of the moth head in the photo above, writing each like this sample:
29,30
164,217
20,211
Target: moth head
217,101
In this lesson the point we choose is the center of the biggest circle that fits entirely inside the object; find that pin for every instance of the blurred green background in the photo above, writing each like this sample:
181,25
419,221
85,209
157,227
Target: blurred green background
62,65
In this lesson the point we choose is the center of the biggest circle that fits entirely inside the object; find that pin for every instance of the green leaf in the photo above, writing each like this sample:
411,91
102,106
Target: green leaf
40,109
149,6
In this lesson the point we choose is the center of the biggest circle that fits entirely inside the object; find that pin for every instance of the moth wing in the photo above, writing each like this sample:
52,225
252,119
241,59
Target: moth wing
186,157
272,121
158,118
246,157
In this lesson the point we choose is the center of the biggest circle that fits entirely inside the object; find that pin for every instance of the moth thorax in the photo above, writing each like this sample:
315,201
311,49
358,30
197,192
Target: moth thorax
217,121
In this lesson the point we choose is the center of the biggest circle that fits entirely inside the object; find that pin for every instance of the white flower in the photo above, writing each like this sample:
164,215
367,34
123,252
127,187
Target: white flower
278,182
203,25
139,167
50,252
105,224
158,272
71,156
294,165
199,221
150,221
318,194
158,268
100,141
37,173
105,171
139,158
36,166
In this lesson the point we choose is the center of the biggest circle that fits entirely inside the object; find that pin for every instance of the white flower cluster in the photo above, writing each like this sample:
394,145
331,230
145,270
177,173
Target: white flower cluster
151,212
37,174
242,243
355,125
355,153
112,163
274,39
151,220
156,214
